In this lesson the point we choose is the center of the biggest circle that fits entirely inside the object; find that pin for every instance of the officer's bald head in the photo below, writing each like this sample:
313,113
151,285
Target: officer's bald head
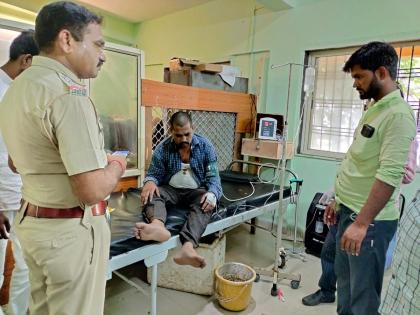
56,16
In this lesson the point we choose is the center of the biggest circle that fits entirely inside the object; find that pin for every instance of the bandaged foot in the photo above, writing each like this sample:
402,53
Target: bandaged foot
188,256
154,231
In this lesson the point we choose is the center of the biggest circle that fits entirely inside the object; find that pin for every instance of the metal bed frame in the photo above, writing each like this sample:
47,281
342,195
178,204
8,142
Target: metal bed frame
156,253
153,254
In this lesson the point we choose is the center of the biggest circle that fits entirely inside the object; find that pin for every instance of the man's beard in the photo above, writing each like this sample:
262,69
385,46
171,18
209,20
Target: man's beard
372,91
183,145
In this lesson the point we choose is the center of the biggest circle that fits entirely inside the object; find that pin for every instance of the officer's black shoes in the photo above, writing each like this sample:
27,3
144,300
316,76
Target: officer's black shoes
317,298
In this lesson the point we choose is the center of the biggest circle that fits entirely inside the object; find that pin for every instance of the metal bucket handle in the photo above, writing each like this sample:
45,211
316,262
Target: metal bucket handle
229,299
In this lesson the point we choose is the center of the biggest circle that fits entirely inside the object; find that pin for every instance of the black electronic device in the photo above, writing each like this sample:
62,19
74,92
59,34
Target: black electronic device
269,126
316,231
367,131
267,129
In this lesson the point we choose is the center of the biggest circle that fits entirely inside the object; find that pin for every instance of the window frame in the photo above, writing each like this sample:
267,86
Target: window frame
139,55
308,105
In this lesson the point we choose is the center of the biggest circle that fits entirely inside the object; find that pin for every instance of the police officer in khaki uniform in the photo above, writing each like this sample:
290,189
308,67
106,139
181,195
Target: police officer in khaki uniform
55,141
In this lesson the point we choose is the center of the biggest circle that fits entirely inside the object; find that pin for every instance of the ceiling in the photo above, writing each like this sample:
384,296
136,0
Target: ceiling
141,10
131,10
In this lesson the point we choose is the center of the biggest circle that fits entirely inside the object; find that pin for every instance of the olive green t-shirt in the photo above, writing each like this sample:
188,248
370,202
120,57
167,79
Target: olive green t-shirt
381,156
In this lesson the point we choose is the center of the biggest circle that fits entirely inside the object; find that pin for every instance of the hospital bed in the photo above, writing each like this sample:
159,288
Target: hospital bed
246,202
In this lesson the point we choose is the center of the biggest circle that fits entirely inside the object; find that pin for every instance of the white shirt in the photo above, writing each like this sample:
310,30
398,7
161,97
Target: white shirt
10,183
5,82
184,178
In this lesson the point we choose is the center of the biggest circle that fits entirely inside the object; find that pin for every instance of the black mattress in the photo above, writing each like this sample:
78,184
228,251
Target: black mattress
127,211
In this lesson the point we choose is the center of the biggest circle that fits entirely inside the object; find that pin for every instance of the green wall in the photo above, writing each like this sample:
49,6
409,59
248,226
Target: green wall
116,29
220,28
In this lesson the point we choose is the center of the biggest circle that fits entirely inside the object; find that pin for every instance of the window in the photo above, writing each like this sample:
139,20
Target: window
116,93
409,78
332,111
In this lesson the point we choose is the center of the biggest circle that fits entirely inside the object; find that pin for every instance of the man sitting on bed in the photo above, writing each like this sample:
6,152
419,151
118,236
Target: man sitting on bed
183,172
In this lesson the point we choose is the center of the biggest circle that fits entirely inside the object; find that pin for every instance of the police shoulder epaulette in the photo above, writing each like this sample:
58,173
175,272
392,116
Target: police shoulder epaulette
73,87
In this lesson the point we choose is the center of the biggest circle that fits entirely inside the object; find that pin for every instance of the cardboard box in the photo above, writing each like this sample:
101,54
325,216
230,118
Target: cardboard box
209,67
176,64
269,149
190,279
205,80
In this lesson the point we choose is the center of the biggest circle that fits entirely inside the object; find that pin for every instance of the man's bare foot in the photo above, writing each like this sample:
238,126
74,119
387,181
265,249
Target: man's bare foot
188,256
154,231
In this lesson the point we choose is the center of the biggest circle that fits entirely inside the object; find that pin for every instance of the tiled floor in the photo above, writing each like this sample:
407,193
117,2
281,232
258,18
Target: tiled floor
254,250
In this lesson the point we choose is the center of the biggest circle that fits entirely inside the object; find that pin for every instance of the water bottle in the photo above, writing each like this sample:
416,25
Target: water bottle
319,223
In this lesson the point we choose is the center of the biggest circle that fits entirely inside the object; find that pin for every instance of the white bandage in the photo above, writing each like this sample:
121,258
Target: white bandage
211,198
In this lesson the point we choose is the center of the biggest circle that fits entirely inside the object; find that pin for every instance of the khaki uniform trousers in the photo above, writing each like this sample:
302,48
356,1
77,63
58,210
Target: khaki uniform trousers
67,260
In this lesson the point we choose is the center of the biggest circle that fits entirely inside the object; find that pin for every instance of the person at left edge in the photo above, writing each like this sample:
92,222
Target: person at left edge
21,52
58,149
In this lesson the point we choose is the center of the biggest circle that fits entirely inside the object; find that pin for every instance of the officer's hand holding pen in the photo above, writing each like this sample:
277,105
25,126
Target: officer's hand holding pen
4,226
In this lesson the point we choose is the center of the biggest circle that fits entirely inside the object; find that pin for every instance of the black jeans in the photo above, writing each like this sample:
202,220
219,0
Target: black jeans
190,199
359,278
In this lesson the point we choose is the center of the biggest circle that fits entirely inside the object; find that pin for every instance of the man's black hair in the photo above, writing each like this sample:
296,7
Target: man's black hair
23,44
57,16
372,56
180,119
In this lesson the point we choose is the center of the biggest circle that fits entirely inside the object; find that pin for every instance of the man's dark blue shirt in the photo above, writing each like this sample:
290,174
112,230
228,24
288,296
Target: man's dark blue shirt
166,162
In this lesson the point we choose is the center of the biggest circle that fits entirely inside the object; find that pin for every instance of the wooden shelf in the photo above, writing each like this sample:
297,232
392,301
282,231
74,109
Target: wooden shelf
167,95
173,96
269,149
126,183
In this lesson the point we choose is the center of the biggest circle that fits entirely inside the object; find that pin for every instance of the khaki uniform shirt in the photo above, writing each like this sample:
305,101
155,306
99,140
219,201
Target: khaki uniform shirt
52,131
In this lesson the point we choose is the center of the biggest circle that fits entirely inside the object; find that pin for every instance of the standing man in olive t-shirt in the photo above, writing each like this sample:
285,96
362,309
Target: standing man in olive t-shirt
369,179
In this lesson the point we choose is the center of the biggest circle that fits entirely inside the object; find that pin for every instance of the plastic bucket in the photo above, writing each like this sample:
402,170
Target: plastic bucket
234,285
